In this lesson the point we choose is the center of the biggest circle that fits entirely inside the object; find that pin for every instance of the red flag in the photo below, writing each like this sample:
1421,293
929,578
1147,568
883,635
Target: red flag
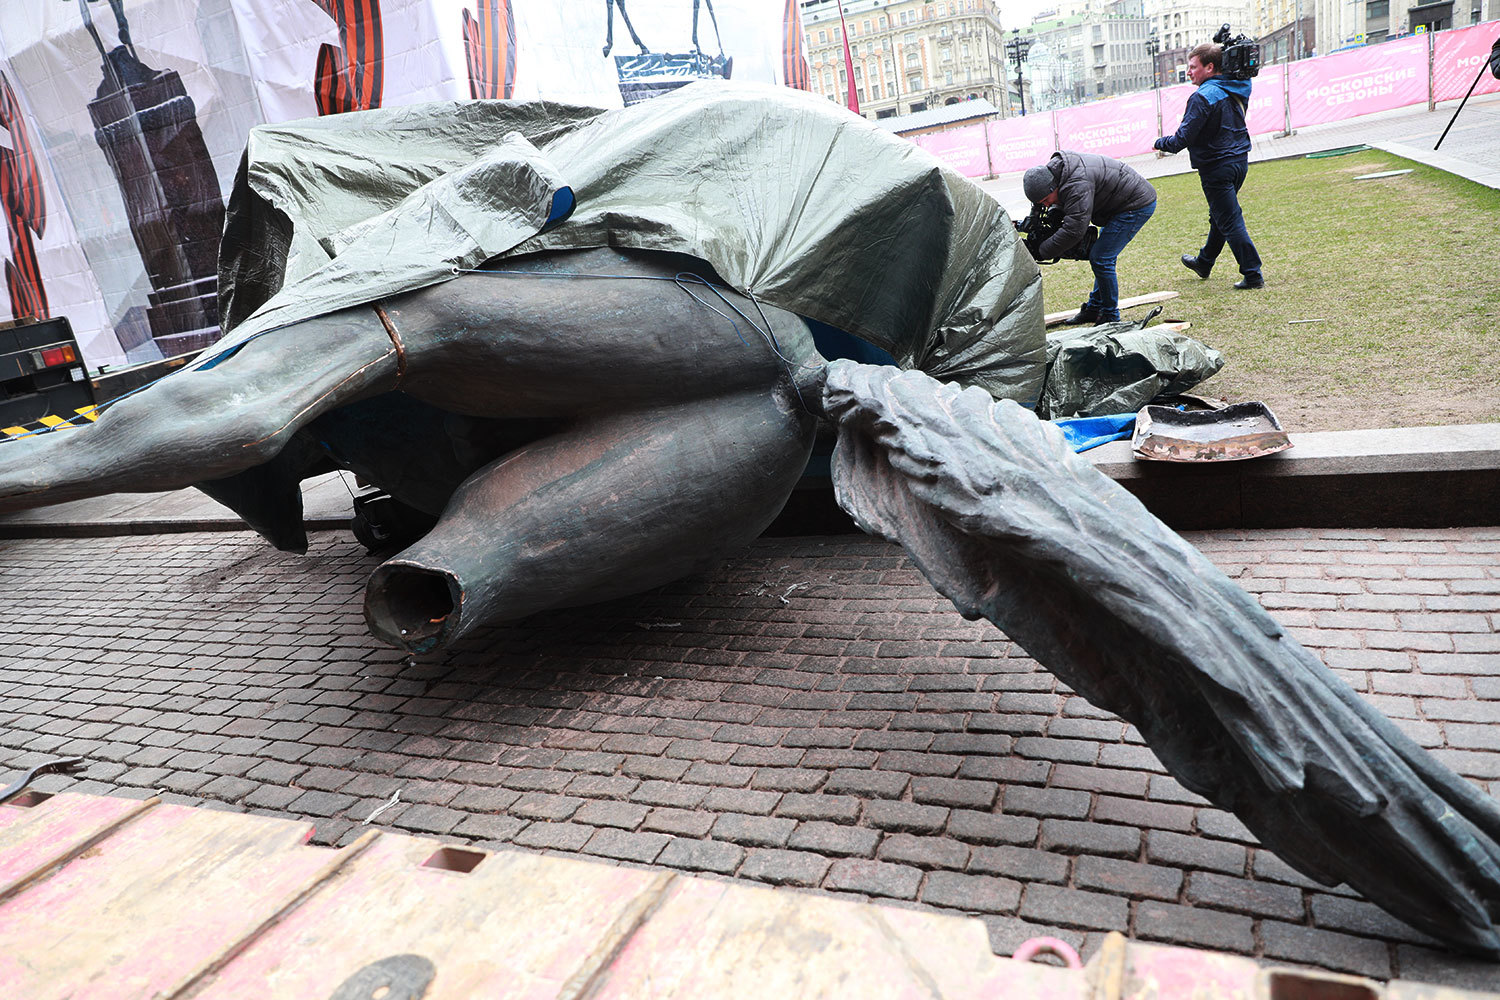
853,101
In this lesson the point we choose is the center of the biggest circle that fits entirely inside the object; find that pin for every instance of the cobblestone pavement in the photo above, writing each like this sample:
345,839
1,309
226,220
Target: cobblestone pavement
810,715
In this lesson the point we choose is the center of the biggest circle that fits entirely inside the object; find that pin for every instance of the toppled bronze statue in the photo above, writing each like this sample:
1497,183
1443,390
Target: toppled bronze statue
594,403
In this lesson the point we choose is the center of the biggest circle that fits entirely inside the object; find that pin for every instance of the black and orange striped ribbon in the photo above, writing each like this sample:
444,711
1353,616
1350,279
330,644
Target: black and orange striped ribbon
490,50
25,210
793,52
351,76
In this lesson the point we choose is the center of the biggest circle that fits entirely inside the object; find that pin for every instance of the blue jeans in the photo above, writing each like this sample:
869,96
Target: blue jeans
1104,300
1226,223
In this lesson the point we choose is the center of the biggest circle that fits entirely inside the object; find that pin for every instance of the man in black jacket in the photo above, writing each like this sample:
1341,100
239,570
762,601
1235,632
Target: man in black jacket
1218,143
1099,190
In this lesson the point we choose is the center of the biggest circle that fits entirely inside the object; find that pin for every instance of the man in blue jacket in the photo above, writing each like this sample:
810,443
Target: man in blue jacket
1218,143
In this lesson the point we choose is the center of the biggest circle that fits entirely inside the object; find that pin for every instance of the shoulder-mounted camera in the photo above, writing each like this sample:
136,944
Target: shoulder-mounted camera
1039,226
1241,59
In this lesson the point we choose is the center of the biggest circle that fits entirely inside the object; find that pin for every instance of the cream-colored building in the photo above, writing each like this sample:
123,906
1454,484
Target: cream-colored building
1181,24
908,55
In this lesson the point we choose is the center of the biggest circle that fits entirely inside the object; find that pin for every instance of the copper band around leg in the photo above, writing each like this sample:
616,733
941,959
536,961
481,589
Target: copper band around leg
390,329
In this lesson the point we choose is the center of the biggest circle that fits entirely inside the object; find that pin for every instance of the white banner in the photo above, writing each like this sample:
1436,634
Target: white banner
137,111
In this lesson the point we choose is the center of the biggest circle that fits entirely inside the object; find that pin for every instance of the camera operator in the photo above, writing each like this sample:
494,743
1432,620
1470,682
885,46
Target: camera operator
1089,188
1218,143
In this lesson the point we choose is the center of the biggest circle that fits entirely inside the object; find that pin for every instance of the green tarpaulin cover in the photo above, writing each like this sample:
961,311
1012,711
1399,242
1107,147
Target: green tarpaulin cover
789,197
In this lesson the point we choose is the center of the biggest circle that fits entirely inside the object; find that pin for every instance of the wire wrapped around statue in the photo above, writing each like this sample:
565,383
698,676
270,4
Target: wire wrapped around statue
578,340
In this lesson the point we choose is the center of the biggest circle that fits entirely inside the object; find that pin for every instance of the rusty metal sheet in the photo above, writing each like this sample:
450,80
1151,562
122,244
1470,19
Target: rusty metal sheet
1237,431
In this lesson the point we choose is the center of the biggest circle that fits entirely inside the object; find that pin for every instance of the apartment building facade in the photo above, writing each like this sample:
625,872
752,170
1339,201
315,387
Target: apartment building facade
1088,50
1181,24
908,55
1331,25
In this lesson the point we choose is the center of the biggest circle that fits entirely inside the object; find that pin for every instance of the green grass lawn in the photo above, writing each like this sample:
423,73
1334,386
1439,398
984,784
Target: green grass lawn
1401,274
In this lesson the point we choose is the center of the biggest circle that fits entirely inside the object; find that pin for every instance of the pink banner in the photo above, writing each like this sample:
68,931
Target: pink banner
1121,126
1018,143
1359,81
1268,101
960,149
1459,56
1173,103
1323,89
1267,110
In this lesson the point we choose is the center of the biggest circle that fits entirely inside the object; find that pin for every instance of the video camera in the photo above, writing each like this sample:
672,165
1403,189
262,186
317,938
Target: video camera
1241,59
1042,223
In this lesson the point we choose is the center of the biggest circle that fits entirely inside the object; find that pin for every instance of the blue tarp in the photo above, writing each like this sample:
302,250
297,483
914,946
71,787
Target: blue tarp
1084,433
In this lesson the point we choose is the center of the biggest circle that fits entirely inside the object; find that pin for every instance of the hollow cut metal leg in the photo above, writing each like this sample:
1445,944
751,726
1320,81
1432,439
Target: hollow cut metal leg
615,505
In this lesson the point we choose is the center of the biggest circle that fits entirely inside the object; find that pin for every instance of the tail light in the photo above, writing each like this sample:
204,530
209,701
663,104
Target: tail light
51,357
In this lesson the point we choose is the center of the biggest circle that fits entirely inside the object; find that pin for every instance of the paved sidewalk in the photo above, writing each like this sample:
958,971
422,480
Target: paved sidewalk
811,715
1471,149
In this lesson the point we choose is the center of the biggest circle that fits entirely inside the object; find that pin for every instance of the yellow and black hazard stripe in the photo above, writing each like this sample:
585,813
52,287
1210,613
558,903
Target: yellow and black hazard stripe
50,423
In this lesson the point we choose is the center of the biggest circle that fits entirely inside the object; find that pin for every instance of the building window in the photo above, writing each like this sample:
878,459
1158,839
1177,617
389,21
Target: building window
822,38
1378,9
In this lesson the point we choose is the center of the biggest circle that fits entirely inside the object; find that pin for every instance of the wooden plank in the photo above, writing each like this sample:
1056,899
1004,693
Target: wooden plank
716,941
517,925
180,903
36,838
1054,319
147,909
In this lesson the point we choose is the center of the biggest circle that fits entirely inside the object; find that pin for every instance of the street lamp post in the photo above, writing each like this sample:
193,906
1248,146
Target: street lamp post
1017,47
1153,49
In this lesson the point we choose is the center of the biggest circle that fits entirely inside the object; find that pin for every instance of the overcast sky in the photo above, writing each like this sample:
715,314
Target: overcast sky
1018,13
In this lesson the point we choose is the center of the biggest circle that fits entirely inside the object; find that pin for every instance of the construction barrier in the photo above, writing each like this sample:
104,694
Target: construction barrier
1418,69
